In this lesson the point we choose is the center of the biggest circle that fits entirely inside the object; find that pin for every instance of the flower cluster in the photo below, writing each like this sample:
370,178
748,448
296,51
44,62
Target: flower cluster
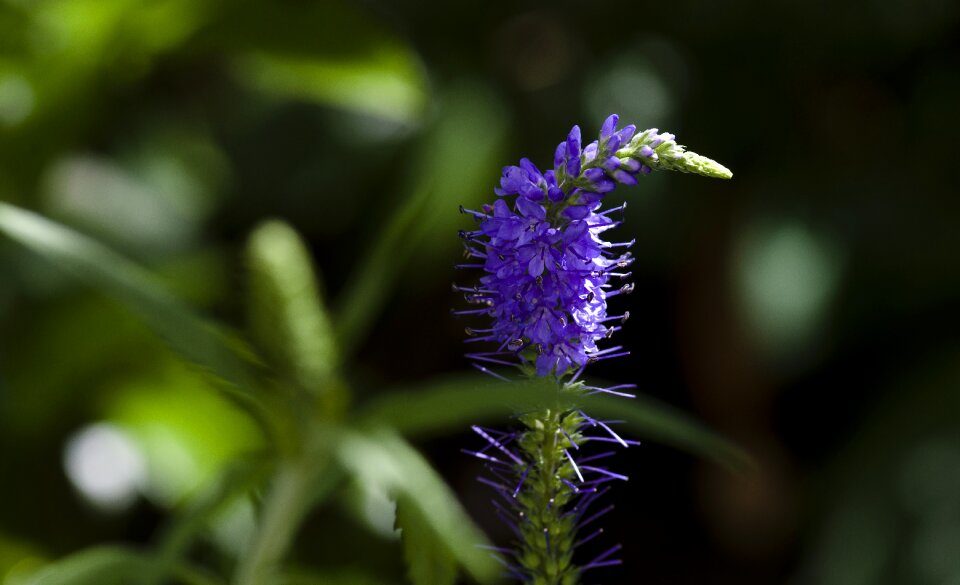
548,274
549,271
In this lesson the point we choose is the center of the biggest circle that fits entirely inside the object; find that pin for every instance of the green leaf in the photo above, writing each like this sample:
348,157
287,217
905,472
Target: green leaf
287,314
428,560
332,577
454,165
384,458
298,485
100,566
109,565
648,418
329,53
190,522
387,85
453,403
167,411
195,338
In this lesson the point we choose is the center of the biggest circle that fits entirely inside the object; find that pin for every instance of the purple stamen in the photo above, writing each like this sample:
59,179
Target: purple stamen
520,483
587,539
614,393
490,360
574,464
625,442
490,372
498,487
606,472
569,439
484,456
599,561
599,514
597,456
497,444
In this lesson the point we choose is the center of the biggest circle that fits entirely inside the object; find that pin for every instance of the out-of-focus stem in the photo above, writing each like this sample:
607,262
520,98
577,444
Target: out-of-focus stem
297,482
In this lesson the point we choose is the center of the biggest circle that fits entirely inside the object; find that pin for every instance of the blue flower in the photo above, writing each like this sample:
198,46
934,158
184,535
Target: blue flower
548,274
549,270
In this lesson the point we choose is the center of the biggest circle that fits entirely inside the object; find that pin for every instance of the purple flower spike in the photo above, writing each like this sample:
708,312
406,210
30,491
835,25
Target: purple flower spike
548,270
548,275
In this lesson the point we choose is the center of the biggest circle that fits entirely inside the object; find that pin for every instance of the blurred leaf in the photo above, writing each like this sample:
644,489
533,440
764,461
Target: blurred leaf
187,433
298,485
326,52
428,560
108,566
287,314
387,84
17,559
72,53
196,339
651,419
194,518
456,154
153,199
451,404
42,394
346,577
384,458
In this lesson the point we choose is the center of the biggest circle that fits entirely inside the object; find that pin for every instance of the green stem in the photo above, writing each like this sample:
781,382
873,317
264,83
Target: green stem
296,485
548,534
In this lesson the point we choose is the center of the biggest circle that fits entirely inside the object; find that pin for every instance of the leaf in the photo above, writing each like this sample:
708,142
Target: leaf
453,403
457,157
298,485
190,522
108,565
196,339
333,577
386,459
649,418
428,560
329,53
102,566
387,85
286,312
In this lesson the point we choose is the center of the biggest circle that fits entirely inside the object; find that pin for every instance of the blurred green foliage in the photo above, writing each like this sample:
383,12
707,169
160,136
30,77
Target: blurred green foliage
297,405
808,308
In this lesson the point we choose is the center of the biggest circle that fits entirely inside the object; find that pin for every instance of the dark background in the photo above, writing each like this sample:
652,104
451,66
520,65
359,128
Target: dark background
809,308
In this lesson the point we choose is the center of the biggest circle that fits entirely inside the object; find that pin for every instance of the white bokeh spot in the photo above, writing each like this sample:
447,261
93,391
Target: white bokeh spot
106,466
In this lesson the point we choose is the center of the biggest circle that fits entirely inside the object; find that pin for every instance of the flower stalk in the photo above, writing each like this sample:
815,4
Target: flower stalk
548,532
548,274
